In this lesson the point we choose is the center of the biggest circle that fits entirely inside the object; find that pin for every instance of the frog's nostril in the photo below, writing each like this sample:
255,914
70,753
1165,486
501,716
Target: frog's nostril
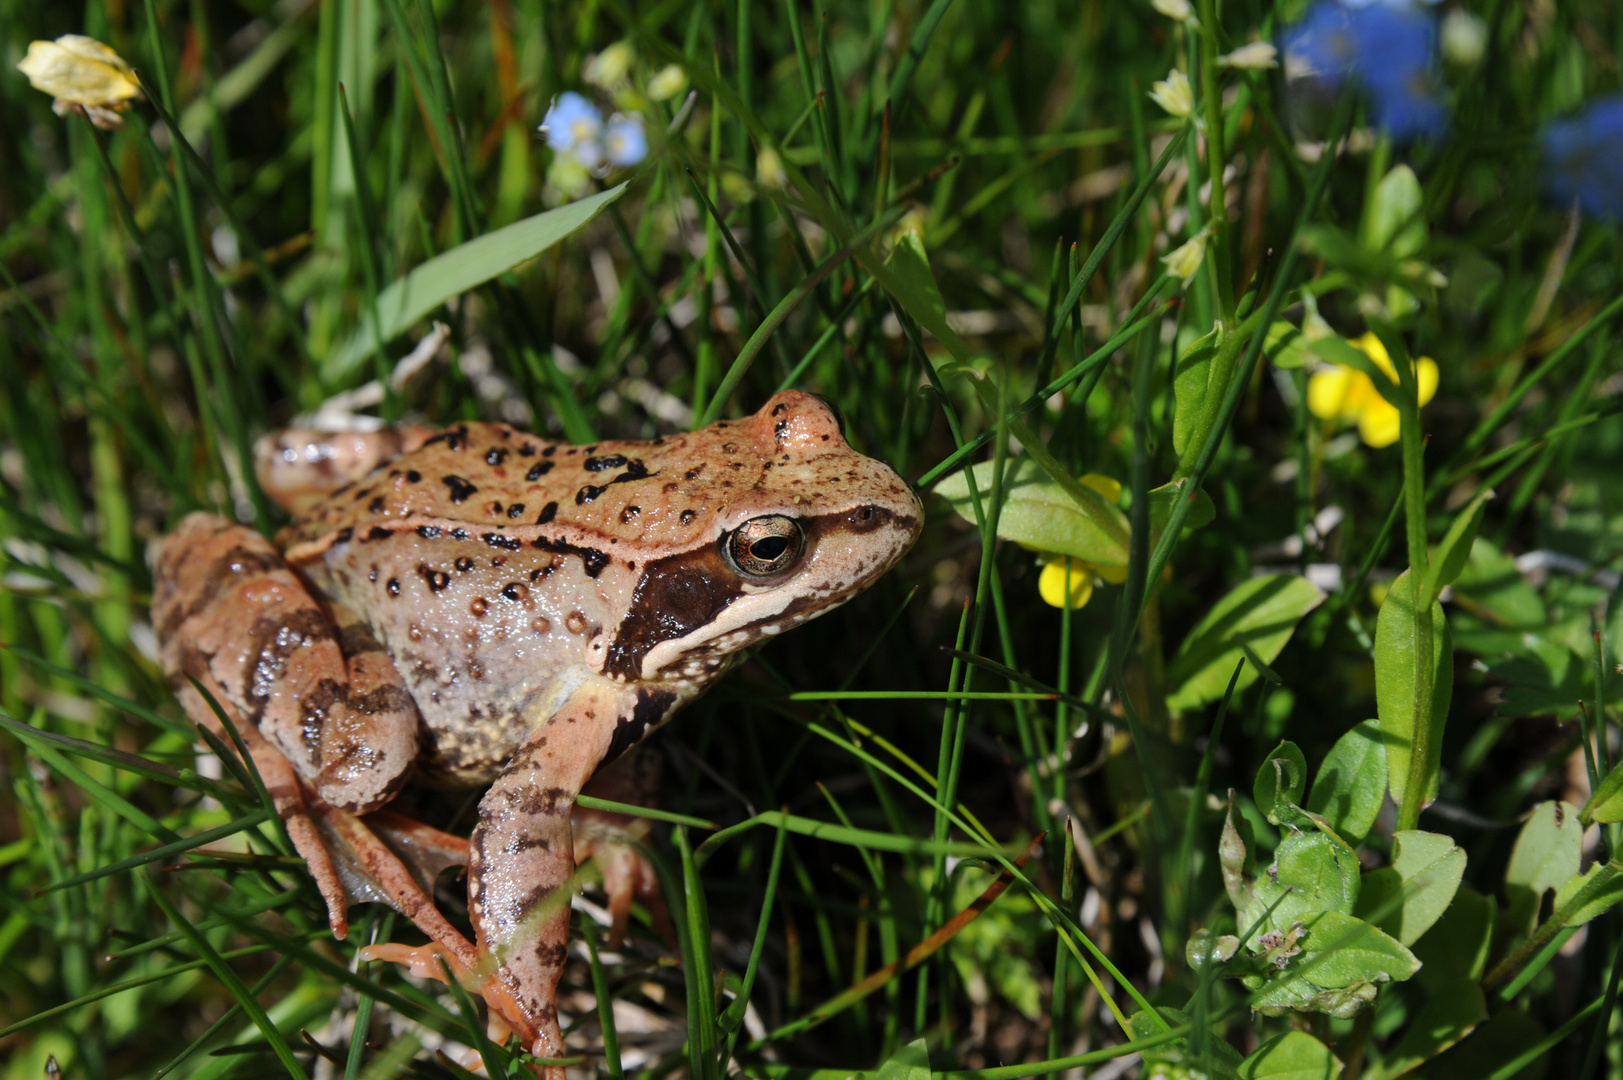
866,518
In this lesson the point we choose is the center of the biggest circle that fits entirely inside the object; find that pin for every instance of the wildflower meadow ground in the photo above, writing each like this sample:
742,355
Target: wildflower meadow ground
1248,706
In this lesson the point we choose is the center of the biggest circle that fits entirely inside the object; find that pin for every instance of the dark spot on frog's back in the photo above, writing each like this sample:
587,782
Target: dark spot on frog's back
460,489
650,710
538,470
599,464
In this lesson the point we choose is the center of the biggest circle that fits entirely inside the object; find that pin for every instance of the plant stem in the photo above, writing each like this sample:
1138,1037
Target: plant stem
1425,666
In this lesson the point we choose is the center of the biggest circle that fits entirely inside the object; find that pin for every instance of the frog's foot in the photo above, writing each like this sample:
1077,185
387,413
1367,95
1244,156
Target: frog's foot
611,839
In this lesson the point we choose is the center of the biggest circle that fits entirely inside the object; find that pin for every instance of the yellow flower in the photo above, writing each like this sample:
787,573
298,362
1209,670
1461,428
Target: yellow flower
1344,393
1068,582
82,73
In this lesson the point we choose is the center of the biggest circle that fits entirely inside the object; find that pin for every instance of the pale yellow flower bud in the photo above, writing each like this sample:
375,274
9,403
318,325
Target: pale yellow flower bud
1174,94
1258,54
82,73
667,82
1173,9
1464,38
608,68
1183,261
769,169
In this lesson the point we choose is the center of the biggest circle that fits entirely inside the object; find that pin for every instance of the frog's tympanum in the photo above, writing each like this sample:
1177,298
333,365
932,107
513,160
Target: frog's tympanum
490,608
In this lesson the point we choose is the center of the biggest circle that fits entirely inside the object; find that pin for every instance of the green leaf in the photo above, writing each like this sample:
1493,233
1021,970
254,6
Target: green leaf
1174,1059
1492,587
1165,497
1295,1055
1342,962
911,1062
1547,854
1406,898
907,277
1311,873
1449,559
1606,804
1040,514
1584,896
1491,1045
1395,226
1451,1013
1351,785
1283,775
1285,346
1457,944
1395,684
464,267
1189,387
1260,612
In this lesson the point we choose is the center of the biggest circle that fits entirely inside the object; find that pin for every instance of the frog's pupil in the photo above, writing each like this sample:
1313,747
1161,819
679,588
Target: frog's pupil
769,548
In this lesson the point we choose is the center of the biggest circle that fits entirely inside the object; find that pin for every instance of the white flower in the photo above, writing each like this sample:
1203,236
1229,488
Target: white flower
667,82
1258,54
1183,261
1173,9
82,73
1173,94
769,169
1464,38
608,68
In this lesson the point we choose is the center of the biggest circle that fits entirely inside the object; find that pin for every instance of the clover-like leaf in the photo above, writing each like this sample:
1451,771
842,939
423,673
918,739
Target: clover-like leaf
1351,785
1406,898
1259,614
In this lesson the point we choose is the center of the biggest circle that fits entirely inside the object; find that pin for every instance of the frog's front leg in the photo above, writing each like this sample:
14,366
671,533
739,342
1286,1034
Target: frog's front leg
521,857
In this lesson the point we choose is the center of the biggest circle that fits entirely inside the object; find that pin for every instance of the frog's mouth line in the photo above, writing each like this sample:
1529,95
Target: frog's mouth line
687,601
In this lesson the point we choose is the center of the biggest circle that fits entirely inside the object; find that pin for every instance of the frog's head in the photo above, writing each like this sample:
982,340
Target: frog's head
799,524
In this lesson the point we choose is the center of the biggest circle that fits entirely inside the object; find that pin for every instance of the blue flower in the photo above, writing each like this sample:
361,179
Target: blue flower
572,123
1583,159
1388,48
624,142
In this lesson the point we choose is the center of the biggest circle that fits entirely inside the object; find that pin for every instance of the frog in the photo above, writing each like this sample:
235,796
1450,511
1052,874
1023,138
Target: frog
477,606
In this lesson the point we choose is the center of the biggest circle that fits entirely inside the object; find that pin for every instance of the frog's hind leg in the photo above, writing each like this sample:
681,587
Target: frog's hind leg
522,861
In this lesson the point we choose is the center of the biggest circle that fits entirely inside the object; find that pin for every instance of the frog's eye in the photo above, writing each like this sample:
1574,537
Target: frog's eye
764,546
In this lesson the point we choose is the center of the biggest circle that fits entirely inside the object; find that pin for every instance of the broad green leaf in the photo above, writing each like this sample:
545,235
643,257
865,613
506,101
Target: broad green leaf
1406,898
1342,962
1450,1014
1584,896
1480,1054
911,1062
1039,514
1285,347
1189,387
1165,497
464,267
1457,944
1449,559
1260,612
1283,775
1311,873
1295,1055
906,276
1395,226
1606,804
1547,854
1491,587
1351,785
1174,1059
1395,684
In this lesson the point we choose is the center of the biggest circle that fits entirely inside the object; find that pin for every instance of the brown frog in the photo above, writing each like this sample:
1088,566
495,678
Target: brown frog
491,608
